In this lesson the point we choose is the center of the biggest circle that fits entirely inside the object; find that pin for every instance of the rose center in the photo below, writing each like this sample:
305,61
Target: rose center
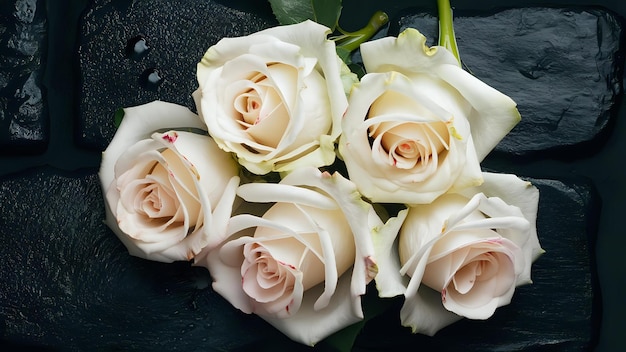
408,145
150,197
151,204
265,279
481,268
261,104
251,115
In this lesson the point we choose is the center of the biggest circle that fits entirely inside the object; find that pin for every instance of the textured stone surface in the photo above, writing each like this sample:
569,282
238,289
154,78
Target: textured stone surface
171,38
563,67
23,109
67,282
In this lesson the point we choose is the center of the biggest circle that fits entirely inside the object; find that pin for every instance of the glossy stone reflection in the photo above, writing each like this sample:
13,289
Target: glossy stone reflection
23,109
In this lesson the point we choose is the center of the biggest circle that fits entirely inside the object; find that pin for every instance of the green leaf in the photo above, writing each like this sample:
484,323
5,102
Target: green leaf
342,340
118,117
325,12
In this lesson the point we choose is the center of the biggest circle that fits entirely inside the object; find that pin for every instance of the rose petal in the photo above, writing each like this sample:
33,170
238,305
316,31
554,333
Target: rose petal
311,101
495,113
383,181
519,193
139,123
424,313
389,281
310,326
407,53
264,192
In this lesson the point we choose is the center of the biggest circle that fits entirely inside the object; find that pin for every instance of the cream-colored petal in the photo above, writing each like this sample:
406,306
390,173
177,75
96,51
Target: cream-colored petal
389,281
139,123
407,53
495,114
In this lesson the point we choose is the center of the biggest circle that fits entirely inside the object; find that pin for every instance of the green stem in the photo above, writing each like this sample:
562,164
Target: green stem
447,38
350,41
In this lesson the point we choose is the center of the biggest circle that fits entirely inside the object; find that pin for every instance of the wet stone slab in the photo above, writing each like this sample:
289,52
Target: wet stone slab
134,52
23,109
563,67
68,283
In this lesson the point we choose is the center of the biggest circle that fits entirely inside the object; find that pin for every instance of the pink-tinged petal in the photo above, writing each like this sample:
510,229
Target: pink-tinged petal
265,279
227,281
485,297
424,313
521,199
139,123
360,216
278,253
466,248
465,277
310,326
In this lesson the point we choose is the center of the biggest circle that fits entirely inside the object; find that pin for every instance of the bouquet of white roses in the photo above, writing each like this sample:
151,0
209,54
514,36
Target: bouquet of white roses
298,183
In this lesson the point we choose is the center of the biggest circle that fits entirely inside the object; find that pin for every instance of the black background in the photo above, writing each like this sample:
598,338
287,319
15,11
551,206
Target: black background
603,166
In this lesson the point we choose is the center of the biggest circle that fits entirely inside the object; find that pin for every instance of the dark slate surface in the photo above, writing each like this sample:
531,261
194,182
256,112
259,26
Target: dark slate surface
172,37
23,108
563,66
68,283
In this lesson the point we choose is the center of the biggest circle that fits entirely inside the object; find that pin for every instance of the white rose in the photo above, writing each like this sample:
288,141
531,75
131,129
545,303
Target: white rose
304,264
463,254
168,195
418,125
275,98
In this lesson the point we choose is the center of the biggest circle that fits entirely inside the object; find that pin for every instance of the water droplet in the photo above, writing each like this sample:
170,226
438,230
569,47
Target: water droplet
151,79
137,47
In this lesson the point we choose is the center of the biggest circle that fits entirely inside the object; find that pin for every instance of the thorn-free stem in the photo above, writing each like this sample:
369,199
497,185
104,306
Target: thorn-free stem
350,41
447,38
